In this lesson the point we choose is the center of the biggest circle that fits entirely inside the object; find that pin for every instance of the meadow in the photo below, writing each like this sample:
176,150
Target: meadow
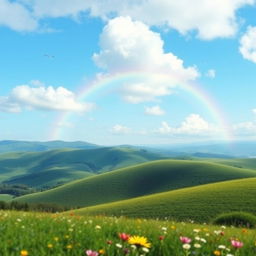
42,234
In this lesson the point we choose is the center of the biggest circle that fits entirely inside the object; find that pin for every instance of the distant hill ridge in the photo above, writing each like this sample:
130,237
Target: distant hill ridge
36,146
50,168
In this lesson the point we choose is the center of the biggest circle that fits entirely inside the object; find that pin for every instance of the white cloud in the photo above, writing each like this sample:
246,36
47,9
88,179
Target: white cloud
131,46
254,110
16,16
210,19
154,110
248,44
194,124
245,129
42,98
211,73
120,129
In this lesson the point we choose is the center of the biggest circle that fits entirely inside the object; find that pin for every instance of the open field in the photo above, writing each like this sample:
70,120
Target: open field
69,234
143,179
200,203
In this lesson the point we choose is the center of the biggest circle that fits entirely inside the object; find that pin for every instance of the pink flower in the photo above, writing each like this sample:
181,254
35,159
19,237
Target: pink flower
124,236
185,240
237,244
91,253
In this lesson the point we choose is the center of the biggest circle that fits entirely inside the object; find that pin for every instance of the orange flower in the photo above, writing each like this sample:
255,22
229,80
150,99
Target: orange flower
217,253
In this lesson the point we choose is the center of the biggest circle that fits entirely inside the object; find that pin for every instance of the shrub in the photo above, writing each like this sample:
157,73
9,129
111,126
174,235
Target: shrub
237,219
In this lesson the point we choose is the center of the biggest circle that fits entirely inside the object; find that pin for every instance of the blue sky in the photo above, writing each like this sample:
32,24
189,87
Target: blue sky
157,72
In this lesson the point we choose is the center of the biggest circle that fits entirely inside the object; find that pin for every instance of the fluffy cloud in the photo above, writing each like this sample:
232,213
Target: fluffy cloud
194,124
16,16
154,110
245,129
42,98
211,73
248,44
210,19
120,129
128,45
254,111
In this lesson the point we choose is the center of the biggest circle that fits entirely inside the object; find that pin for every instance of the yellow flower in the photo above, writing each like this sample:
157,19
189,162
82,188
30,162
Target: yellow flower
49,245
56,239
217,253
101,251
69,246
23,253
173,227
139,241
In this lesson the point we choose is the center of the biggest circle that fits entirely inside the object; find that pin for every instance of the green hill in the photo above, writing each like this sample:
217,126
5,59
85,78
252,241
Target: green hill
44,169
200,203
249,163
143,179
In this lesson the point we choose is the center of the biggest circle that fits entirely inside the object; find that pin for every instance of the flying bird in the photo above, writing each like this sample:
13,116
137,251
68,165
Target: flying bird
49,56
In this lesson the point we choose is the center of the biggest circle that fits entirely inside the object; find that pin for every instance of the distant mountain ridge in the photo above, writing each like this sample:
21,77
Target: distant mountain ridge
37,146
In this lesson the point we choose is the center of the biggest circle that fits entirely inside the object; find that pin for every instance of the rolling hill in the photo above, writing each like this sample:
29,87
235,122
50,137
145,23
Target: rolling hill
143,179
200,203
50,168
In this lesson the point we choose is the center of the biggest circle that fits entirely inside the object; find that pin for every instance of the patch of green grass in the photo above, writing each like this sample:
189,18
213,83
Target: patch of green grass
200,203
237,219
143,179
6,197
69,234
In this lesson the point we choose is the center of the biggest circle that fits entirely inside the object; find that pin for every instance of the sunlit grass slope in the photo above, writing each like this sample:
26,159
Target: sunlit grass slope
60,166
200,203
143,179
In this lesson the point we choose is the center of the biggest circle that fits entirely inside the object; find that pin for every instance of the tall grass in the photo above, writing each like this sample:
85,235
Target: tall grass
70,234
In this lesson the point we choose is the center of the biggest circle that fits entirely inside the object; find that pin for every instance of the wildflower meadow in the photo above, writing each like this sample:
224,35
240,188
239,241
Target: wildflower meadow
42,234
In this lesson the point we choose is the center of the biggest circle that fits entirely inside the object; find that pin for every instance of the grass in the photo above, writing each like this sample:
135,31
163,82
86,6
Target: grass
200,203
41,169
69,234
6,197
143,179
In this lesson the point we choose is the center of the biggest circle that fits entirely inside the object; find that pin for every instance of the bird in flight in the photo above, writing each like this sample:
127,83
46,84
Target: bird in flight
49,56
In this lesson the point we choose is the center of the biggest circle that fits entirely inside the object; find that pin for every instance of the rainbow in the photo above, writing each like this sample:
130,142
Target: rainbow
118,79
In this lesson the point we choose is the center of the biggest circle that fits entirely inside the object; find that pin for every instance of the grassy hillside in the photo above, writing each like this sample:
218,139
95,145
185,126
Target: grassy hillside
6,197
144,179
249,163
40,169
200,203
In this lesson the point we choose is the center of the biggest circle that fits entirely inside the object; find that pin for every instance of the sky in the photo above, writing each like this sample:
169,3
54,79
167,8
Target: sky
128,72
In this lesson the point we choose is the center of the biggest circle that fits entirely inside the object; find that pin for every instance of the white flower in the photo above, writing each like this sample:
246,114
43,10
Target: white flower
164,228
197,238
97,227
119,246
223,227
144,249
222,247
197,245
203,240
196,230
229,254
186,246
